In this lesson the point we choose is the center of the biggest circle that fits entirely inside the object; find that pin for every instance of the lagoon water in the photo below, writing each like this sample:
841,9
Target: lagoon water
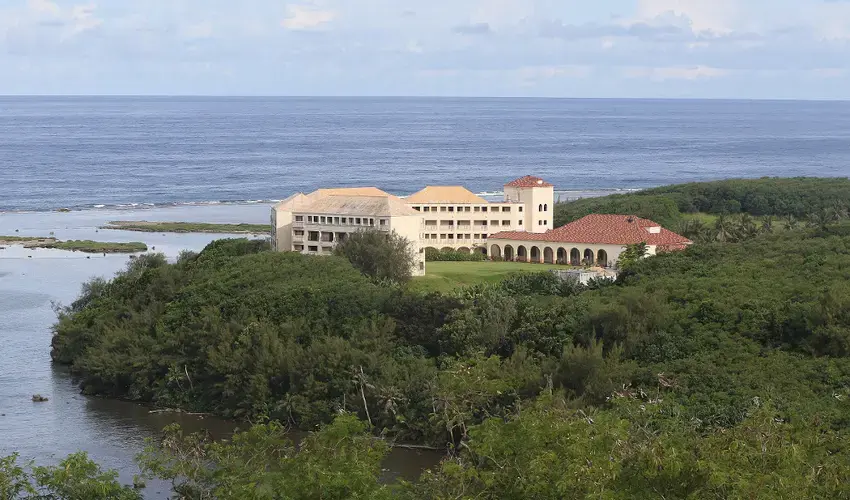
168,158
31,281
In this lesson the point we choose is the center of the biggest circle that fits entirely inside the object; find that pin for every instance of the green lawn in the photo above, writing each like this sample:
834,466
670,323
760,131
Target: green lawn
701,216
445,276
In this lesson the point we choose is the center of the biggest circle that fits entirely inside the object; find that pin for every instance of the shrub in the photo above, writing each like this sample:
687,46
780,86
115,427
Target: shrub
381,256
446,255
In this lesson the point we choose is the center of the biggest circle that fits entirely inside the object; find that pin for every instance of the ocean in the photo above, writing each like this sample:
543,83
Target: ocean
107,152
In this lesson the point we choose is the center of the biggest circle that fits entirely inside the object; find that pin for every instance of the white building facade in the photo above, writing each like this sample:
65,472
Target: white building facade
439,217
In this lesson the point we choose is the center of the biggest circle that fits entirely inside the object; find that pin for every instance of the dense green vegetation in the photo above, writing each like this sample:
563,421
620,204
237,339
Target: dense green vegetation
802,198
188,227
719,372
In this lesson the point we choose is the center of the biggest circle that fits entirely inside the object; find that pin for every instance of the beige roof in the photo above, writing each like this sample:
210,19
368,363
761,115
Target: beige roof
445,194
299,200
377,206
355,191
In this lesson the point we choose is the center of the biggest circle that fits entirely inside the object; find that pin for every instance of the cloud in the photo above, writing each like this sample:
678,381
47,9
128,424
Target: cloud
675,73
472,29
307,17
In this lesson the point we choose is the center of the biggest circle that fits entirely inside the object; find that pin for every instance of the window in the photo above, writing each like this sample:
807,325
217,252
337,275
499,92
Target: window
299,233
371,222
442,236
327,249
468,236
477,236
495,223
383,222
545,222
519,223
418,209
299,248
484,236
442,209
299,218
309,218
426,209
545,207
506,223
357,221
433,236
520,209
460,209
336,220
451,236
540,223
433,209
323,219
506,209
467,209
540,208
451,209
313,249
313,236
477,209
483,209
427,236
345,220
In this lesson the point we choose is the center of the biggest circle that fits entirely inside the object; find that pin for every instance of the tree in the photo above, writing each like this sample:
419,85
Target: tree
75,478
632,254
380,255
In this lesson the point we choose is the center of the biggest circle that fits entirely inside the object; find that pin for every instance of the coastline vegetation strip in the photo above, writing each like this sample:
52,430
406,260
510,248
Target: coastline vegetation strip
86,246
187,227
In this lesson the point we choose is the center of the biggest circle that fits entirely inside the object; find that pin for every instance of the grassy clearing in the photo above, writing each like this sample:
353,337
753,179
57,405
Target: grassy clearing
446,276
188,227
701,216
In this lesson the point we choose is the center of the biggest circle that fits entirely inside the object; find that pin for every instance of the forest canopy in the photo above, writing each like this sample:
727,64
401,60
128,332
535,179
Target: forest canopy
536,387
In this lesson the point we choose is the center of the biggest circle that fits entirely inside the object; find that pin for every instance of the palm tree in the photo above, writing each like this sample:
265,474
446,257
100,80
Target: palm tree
791,222
767,224
747,227
724,229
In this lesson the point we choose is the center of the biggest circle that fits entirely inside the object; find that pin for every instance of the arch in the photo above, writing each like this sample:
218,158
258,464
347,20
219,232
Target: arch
495,251
521,254
575,257
483,250
602,258
535,254
447,249
589,257
561,256
548,255
540,207
545,207
463,250
509,252
430,249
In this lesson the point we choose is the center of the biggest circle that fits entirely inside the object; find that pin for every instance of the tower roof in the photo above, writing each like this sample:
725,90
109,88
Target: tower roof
529,181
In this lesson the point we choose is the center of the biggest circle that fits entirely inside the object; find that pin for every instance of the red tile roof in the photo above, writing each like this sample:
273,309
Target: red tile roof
529,181
604,230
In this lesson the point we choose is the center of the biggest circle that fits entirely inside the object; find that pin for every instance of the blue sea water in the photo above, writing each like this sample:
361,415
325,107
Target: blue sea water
84,152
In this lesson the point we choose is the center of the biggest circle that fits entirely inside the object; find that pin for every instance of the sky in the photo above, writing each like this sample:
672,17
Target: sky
750,49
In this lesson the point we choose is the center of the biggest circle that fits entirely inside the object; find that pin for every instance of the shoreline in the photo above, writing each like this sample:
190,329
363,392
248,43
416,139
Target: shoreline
571,194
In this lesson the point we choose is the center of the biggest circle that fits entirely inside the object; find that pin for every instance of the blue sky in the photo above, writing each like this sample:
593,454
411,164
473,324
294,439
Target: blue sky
797,49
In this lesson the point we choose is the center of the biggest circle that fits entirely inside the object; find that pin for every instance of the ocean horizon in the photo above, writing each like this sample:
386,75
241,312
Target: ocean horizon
90,152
